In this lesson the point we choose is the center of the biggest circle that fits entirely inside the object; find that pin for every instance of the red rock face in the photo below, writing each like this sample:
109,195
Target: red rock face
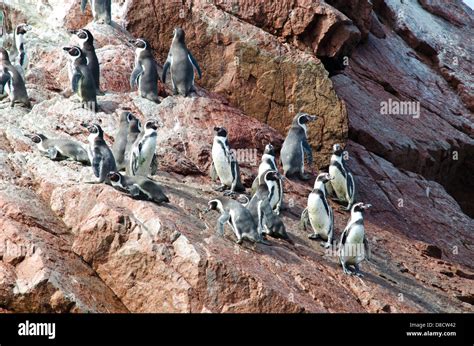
90,248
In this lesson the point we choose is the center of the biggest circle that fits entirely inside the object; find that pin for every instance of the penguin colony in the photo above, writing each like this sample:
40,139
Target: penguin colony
132,159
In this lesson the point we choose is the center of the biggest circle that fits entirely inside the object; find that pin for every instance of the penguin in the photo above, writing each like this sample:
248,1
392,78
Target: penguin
134,130
269,163
268,223
224,164
19,54
120,140
145,73
181,64
60,149
353,246
101,10
12,81
143,154
87,46
100,155
138,187
319,212
82,81
343,182
238,218
295,146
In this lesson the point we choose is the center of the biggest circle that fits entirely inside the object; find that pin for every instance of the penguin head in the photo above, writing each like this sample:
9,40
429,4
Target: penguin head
115,178
337,149
4,55
269,150
37,138
73,52
141,44
22,29
95,130
134,124
324,178
220,131
84,35
151,125
304,118
178,35
124,117
272,176
214,204
360,207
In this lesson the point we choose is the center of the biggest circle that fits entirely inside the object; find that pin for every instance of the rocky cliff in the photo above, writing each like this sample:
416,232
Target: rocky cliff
66,246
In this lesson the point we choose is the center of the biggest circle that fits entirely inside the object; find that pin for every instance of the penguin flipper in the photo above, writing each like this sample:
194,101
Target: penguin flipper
304,219
195,64
83,5
213,172
154,165
350,189
367,249
97,163
166,66
76,77
136,73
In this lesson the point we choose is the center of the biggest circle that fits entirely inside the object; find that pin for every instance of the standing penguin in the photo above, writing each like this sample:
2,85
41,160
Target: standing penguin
268,223
269,163
143,155
224,164
134,130
120,140
100,155
139,187
353,247
238,218
60,149
19,54
181,63
12,81
145,73
86,41
343,182
295,146
101,10
82,81
319,212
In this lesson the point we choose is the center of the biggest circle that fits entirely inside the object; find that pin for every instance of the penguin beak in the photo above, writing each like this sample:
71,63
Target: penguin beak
330,177
311,117
67,49
367,206
73,32
216,128
29,136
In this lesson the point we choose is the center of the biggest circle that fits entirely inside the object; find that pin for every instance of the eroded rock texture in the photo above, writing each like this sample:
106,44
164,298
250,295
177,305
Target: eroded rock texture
67,246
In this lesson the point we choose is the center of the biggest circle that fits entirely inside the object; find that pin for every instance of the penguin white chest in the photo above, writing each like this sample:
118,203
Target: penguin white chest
222,163
354,246
274,193
318,216
147,152
338,183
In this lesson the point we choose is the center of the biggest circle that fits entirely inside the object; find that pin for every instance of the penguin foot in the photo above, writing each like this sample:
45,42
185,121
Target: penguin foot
314,236
264,242
93,182
239,241
219,188
325,244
